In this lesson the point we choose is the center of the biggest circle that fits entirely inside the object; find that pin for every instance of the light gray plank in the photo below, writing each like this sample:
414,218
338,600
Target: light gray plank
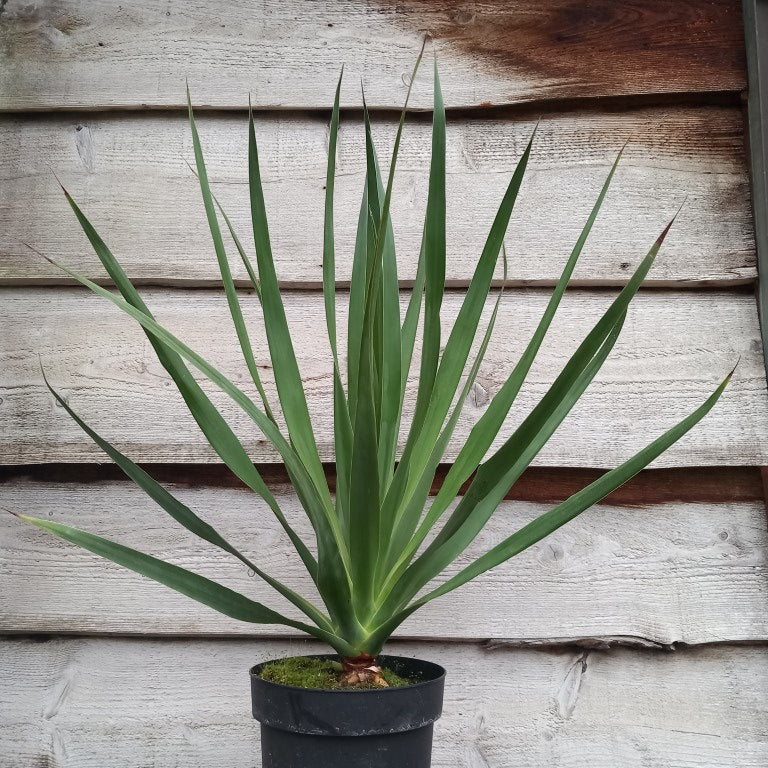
86,703
130,176
98,54
675,573
675,348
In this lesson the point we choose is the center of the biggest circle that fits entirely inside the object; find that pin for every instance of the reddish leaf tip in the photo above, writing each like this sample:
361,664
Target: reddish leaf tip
620,153
63,188
40,253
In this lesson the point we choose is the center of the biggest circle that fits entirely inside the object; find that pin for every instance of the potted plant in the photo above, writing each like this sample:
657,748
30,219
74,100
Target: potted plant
379,541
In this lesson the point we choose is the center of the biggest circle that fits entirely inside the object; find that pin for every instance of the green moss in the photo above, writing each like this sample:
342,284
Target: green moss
394,680
322,674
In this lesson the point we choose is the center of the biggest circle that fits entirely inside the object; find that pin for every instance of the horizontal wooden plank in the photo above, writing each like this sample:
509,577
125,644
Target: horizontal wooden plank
546,485
654,575
130,175
87,703
288,54
674,349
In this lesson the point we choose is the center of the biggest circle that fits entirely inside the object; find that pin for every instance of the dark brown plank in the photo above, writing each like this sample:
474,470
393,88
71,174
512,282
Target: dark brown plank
538,484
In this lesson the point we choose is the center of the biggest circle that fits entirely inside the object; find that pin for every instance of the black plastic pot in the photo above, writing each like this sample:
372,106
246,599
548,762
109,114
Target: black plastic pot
379,728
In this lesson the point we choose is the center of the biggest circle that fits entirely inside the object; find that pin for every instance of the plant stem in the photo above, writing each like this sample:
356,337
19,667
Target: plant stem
362,669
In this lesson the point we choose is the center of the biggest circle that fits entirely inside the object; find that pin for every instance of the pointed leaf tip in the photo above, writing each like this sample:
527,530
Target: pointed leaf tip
660,239
58,181
41,254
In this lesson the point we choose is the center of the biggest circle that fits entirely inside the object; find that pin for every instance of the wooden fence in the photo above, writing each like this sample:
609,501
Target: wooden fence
635,636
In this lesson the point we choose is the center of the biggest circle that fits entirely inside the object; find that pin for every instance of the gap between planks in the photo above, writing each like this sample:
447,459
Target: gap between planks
603,643
546,485
538,109
718,284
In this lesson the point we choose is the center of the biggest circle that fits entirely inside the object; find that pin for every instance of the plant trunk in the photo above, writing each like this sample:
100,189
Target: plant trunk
362,669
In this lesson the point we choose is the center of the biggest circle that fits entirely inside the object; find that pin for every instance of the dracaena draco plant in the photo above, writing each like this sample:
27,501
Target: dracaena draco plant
381,541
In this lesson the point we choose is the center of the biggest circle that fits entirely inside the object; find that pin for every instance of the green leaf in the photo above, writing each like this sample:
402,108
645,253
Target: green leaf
402,543
329,257
252,276
579,502
494,478
343,438
364,514
216,430
238,244
497,475
434,258
411,323
341,420
391,354
306,490
364,489
357,293
334,566
221,256
205,591
364,520
423,436
488,425
287,376
183,515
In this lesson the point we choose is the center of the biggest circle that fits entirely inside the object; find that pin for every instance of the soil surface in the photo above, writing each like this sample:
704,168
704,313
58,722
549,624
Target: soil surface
322,674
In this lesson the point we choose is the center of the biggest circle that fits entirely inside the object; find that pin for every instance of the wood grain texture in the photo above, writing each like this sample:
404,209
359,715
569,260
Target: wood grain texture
86,703
288,54
129,174
667,574
674,350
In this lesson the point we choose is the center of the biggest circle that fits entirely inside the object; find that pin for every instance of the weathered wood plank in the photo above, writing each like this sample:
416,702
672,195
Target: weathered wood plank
130,175
673,351
288,54
89,703
661,574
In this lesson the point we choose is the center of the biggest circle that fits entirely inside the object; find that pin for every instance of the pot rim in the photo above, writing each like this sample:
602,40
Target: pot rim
441,674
